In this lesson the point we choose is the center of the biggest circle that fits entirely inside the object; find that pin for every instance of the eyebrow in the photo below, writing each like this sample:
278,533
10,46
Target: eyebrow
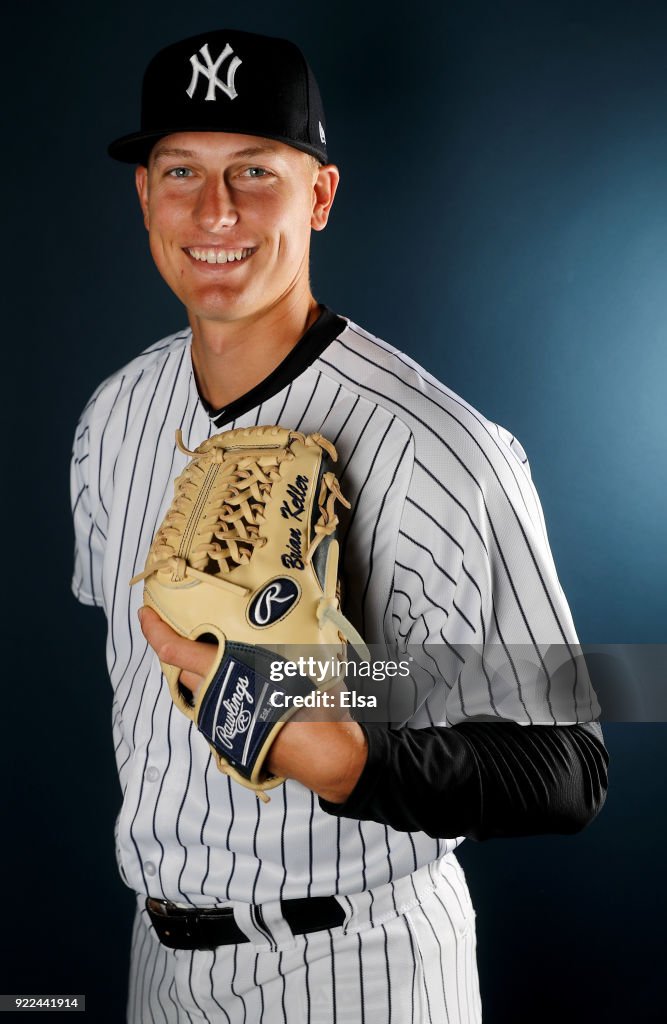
171,151
250,151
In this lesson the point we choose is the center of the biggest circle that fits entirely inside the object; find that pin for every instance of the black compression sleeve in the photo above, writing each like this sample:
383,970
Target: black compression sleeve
480,780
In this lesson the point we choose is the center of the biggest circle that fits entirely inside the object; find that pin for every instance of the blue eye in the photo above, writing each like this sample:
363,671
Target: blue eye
256,172
180,172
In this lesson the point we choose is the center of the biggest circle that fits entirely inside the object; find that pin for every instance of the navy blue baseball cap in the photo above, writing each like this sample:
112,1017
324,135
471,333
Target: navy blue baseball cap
228,81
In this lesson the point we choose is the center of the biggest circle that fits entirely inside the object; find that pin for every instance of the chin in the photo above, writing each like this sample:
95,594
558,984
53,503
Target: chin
213,303
220,312
224,307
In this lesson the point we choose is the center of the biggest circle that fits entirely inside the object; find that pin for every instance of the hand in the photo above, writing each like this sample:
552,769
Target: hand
326,756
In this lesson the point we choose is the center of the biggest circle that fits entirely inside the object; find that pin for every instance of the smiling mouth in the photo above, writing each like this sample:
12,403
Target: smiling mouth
219,255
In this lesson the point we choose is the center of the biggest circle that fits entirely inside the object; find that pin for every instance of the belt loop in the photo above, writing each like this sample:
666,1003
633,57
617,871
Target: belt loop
358,910
262,932
272,917
348,907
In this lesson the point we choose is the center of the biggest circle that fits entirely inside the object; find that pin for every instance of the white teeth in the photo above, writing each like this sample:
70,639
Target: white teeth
218,255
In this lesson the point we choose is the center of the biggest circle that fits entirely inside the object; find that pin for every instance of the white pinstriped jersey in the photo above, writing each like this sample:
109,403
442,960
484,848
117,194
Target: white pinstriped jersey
444,545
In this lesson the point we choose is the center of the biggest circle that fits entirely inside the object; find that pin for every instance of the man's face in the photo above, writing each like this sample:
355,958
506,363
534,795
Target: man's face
229,220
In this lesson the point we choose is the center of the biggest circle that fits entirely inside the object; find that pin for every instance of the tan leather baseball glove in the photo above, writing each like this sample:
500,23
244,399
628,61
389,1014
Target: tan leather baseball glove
247,554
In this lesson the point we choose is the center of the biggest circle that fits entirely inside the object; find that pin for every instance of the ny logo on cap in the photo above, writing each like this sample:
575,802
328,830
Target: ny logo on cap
210,71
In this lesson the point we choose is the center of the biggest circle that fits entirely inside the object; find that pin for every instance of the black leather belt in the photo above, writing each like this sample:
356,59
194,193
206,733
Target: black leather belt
181,928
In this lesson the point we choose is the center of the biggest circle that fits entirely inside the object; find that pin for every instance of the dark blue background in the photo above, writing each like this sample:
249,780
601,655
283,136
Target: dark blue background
502,218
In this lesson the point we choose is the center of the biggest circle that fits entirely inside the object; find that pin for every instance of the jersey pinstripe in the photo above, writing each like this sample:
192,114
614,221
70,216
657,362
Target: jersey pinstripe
444,550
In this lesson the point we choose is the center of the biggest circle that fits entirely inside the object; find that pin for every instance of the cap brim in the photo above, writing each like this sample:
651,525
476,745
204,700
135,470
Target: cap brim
136,148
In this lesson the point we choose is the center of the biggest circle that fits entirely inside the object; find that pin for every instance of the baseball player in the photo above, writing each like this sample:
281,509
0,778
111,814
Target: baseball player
341,899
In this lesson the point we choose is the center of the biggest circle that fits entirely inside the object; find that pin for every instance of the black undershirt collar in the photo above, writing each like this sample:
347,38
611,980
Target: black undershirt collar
308,348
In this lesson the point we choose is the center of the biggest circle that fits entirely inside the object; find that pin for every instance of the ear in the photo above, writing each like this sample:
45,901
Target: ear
141,181
324,190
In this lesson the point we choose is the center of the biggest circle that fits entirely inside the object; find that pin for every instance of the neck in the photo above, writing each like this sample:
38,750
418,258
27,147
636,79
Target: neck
230,359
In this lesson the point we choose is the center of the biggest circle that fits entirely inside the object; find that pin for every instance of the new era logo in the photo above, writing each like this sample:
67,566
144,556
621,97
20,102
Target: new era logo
210,69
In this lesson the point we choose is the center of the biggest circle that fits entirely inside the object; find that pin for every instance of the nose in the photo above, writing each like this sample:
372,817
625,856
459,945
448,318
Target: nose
215,208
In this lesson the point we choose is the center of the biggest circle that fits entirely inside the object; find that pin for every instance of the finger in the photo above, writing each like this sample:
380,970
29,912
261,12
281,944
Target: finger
188,655
191,680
